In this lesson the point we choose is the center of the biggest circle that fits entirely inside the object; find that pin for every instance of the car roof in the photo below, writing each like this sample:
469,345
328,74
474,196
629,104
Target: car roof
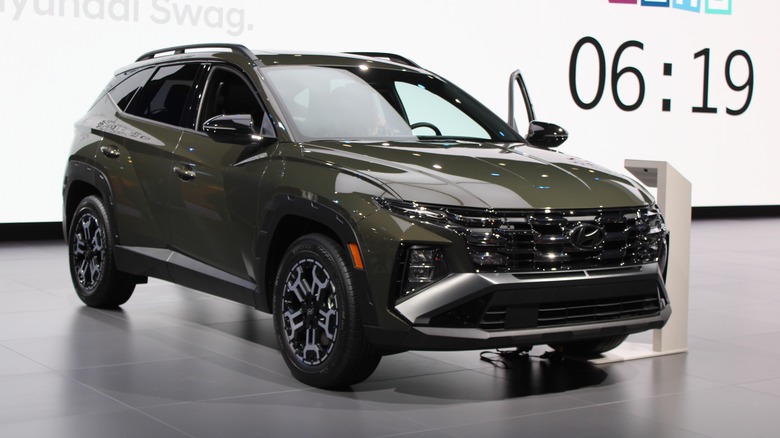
234,52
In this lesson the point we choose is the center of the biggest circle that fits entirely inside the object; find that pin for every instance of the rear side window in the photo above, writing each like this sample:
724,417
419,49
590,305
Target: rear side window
123,93
164,97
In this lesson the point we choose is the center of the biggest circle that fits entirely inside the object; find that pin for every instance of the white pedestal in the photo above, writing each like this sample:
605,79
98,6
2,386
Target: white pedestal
674,199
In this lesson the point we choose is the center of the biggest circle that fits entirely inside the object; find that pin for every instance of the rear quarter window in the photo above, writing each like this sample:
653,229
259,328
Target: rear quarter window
124,92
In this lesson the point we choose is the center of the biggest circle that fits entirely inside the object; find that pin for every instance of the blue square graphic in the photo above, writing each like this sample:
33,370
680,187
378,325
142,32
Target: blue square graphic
722,7
688,5
658,3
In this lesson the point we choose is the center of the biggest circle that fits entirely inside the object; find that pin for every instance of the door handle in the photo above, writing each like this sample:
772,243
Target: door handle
110,151
184,172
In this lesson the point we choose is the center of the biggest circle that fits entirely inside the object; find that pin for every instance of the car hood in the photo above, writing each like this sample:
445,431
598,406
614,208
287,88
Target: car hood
482,175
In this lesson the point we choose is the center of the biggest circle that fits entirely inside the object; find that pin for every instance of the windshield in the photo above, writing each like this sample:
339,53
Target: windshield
324,103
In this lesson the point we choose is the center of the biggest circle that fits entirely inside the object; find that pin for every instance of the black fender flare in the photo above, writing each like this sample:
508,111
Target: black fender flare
83,172
285,205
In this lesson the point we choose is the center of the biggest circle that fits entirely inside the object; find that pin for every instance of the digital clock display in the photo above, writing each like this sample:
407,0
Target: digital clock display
633,73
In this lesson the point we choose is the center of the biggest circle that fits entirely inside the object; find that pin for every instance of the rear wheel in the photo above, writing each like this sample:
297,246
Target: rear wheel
590,347
91,252
317,316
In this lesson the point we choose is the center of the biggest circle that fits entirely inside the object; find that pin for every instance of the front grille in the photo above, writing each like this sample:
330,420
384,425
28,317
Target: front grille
576,312
549,240
484,314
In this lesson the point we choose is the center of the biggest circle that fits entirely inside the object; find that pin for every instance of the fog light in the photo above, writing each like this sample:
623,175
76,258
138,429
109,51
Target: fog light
424,266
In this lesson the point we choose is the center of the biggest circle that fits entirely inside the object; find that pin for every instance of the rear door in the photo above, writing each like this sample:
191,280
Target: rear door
137,148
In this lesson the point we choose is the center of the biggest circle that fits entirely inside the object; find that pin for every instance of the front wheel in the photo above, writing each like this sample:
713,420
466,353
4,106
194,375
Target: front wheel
590,347
91,252
317,316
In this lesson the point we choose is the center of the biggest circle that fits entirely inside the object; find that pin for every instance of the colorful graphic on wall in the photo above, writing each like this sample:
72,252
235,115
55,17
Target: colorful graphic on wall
721,7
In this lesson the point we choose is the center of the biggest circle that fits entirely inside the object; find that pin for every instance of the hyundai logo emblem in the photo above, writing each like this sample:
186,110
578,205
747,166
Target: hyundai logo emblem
587,236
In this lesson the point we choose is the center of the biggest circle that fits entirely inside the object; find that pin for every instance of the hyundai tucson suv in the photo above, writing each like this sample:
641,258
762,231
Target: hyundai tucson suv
367,203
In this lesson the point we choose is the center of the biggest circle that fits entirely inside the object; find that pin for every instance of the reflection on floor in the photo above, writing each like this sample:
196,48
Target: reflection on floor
174,362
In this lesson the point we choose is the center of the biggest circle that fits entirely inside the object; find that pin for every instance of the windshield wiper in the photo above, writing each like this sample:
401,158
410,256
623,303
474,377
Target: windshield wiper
458,140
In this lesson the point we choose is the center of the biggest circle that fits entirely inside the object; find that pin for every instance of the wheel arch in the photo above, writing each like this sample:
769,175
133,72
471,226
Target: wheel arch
287,218
81,180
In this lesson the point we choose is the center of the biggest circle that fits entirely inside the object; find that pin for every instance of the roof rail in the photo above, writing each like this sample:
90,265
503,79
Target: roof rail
389,56
178,50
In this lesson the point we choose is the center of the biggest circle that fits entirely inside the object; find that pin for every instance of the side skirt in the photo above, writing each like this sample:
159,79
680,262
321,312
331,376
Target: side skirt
177,268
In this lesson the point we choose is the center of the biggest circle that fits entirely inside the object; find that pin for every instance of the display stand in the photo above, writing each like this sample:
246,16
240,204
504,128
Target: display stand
674,199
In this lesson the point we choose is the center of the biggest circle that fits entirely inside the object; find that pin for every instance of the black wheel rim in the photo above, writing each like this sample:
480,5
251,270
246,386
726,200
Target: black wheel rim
310,312
88,251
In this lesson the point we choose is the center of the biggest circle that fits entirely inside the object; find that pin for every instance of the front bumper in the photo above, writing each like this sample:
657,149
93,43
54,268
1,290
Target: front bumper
477,310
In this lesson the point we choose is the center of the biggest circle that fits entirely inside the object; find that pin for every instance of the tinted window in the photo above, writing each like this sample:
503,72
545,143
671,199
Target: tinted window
227,93
165,95
123,93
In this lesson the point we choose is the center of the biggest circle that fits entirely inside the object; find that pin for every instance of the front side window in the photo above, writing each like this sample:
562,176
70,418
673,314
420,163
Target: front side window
228,94
164,97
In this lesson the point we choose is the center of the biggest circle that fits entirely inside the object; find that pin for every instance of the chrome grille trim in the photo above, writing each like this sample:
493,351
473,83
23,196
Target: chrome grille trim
540,240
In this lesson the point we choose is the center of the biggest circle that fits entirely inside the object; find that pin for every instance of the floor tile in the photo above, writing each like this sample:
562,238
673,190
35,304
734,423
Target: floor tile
715,324
95,349
725,411
299,413
766,386
644,379
182,380
39,396
726,363
237,347
71,322
593,421
13,363
31,301
128,423
460,397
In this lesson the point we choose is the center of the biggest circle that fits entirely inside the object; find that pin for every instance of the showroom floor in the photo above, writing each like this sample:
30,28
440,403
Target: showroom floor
174,362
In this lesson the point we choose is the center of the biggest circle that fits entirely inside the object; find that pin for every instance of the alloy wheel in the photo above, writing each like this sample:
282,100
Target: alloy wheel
88,251
310,310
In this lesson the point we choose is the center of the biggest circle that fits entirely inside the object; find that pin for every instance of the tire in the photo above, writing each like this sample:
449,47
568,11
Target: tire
317,316
590,347
91,244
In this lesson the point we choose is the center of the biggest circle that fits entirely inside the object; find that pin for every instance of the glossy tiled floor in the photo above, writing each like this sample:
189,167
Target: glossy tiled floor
174,362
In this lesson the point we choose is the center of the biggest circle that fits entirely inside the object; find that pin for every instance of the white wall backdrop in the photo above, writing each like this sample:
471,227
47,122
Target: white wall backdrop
58,54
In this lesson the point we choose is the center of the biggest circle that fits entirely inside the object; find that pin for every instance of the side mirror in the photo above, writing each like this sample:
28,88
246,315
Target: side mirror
233,128
540,134
546,135
517,78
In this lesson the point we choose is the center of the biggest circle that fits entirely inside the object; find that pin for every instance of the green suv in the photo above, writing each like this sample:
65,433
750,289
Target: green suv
367,203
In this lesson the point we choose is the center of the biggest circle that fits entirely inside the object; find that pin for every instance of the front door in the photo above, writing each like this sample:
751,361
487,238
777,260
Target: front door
214,188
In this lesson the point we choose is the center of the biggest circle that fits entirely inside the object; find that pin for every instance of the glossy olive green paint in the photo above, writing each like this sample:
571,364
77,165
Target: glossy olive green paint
218,217
505,176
